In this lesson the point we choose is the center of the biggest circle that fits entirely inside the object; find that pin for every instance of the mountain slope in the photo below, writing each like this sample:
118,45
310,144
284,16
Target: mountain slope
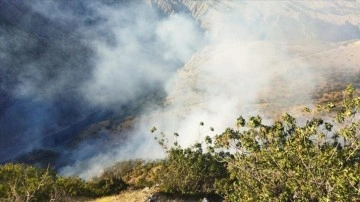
73,71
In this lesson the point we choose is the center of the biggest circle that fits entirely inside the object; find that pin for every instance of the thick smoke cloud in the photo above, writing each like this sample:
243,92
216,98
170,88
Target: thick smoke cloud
254,63
236,58
143,50
42,64
69,64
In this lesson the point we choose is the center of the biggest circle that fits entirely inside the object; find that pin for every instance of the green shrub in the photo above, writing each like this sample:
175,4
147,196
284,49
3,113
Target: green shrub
190,171
137,173
317,161
106,186
73,186
20,182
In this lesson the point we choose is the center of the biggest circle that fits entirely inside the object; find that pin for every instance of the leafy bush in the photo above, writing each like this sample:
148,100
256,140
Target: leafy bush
188,171
319,161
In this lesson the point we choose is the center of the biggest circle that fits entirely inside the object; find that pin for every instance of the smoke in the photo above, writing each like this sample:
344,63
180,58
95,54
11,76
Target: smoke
253,63
94,57
248,48
42,64
86,60
67,65
143,49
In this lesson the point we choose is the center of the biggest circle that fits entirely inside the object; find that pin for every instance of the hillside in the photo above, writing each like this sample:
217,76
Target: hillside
82,84
96,90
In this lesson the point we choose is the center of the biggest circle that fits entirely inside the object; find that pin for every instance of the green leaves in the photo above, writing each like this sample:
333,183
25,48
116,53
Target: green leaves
208,140
153,129
25,183
328,126
254,122
305,162
240,122
349,90
284,161
20,182
190,171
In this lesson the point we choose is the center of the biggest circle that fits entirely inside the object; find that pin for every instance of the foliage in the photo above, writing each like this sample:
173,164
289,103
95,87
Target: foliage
105,186
188,170
315,160
137,173
21,182
318,161
72,186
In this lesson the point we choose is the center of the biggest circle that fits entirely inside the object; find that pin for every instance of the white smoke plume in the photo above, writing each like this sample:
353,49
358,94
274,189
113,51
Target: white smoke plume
238,58
253,53
145,49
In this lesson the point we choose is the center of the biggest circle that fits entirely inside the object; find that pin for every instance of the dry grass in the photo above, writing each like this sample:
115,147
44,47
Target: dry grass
129,196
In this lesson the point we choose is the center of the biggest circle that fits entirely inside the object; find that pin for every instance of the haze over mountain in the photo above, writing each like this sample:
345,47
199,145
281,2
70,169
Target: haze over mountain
72,71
